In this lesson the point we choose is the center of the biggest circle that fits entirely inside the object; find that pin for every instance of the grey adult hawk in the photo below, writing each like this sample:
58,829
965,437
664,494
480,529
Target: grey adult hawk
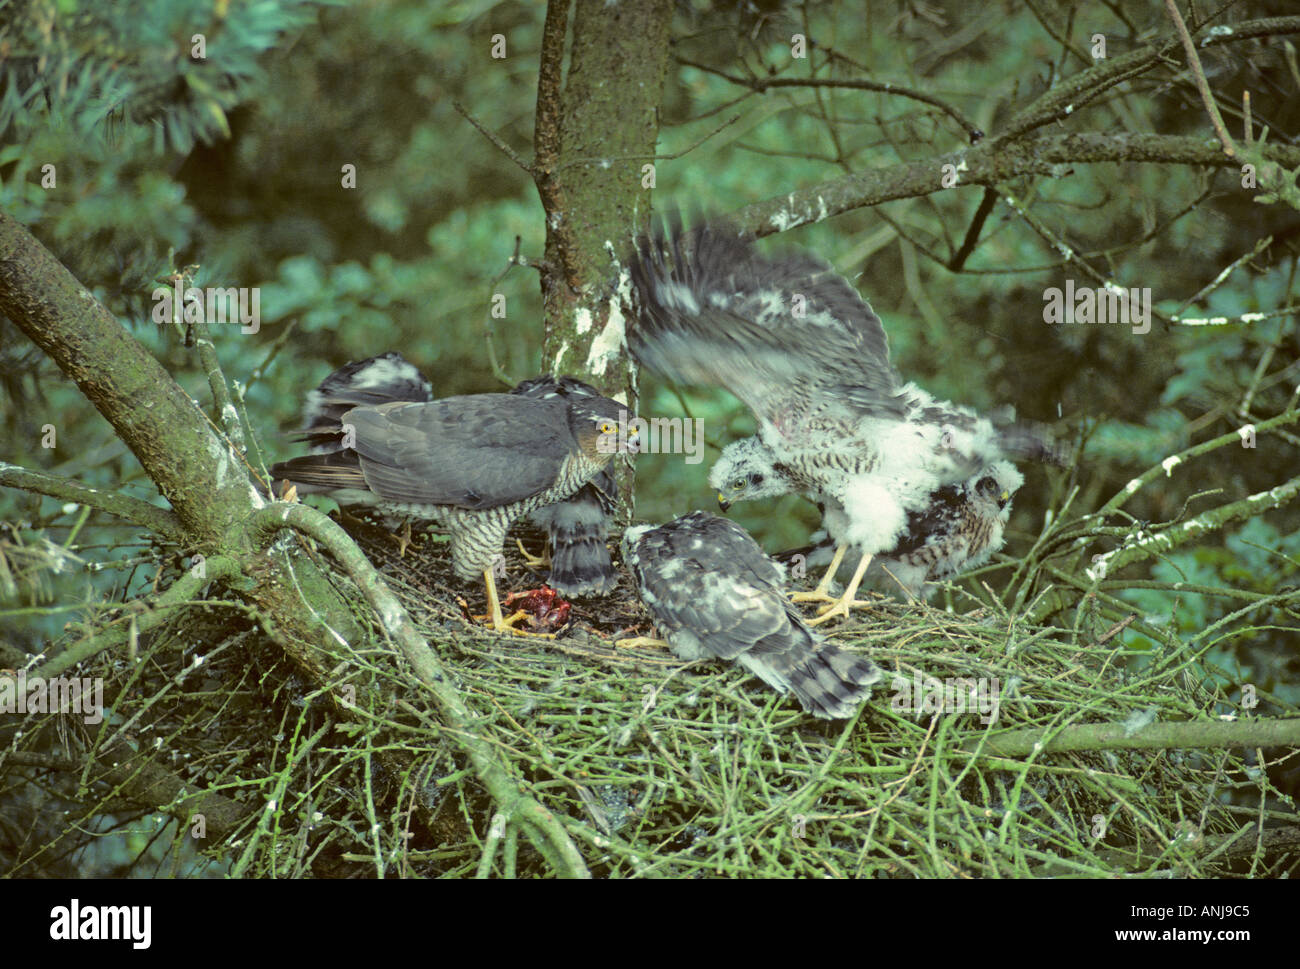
474,463
714,594
958,530
797,344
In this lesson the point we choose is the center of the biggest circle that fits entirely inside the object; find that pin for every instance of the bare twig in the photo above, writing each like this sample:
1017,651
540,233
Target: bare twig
1157,736
489,328
985,164
987,202
1222,277
160,521
764,84
493,137
1079,90
1167,466
1198,76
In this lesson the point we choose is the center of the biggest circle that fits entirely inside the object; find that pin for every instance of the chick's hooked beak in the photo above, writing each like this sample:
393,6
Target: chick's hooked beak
723,503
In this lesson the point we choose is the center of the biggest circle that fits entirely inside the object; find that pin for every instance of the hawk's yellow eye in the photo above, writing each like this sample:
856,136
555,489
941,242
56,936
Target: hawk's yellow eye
607,428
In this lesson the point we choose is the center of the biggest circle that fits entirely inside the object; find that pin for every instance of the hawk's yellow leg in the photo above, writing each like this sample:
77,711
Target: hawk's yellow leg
499,623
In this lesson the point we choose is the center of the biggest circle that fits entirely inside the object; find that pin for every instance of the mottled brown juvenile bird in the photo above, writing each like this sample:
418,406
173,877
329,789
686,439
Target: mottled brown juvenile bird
958,530
714,594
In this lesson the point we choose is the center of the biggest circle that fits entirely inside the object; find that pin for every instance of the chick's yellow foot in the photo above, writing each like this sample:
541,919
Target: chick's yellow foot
842,605
638,641
542,561
814,596
822,592
838,607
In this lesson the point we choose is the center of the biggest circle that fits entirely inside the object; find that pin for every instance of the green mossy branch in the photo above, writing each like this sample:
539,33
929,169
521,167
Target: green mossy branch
160,521
1155,736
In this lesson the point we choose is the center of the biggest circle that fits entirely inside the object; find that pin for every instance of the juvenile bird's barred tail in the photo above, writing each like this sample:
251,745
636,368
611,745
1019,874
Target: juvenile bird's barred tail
714,594
577,528
827,681
375,380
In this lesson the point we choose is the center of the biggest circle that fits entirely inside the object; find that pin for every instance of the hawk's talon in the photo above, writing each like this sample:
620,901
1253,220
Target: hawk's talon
507,625
838,607
404,540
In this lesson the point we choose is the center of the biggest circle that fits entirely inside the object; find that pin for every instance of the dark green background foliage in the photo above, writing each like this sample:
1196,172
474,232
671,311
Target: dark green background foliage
235,164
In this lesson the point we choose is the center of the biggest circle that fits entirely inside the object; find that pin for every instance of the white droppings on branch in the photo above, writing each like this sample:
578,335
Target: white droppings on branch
217,451
1222,30
392,616
1100,564
610,342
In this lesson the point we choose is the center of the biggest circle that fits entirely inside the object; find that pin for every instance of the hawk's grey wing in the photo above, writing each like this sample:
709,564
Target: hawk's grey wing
776,332
577,527
477,451
715,594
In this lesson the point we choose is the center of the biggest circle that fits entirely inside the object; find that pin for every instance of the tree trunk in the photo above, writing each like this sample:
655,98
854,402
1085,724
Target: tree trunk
596,129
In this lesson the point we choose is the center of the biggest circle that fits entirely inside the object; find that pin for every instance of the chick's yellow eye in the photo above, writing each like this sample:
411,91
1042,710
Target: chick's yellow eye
738,484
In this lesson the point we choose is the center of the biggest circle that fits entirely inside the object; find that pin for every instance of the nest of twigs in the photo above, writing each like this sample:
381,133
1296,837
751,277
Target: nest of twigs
652,767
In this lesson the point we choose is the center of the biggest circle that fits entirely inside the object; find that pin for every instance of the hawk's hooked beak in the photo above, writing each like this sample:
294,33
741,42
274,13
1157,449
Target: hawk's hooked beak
723,503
